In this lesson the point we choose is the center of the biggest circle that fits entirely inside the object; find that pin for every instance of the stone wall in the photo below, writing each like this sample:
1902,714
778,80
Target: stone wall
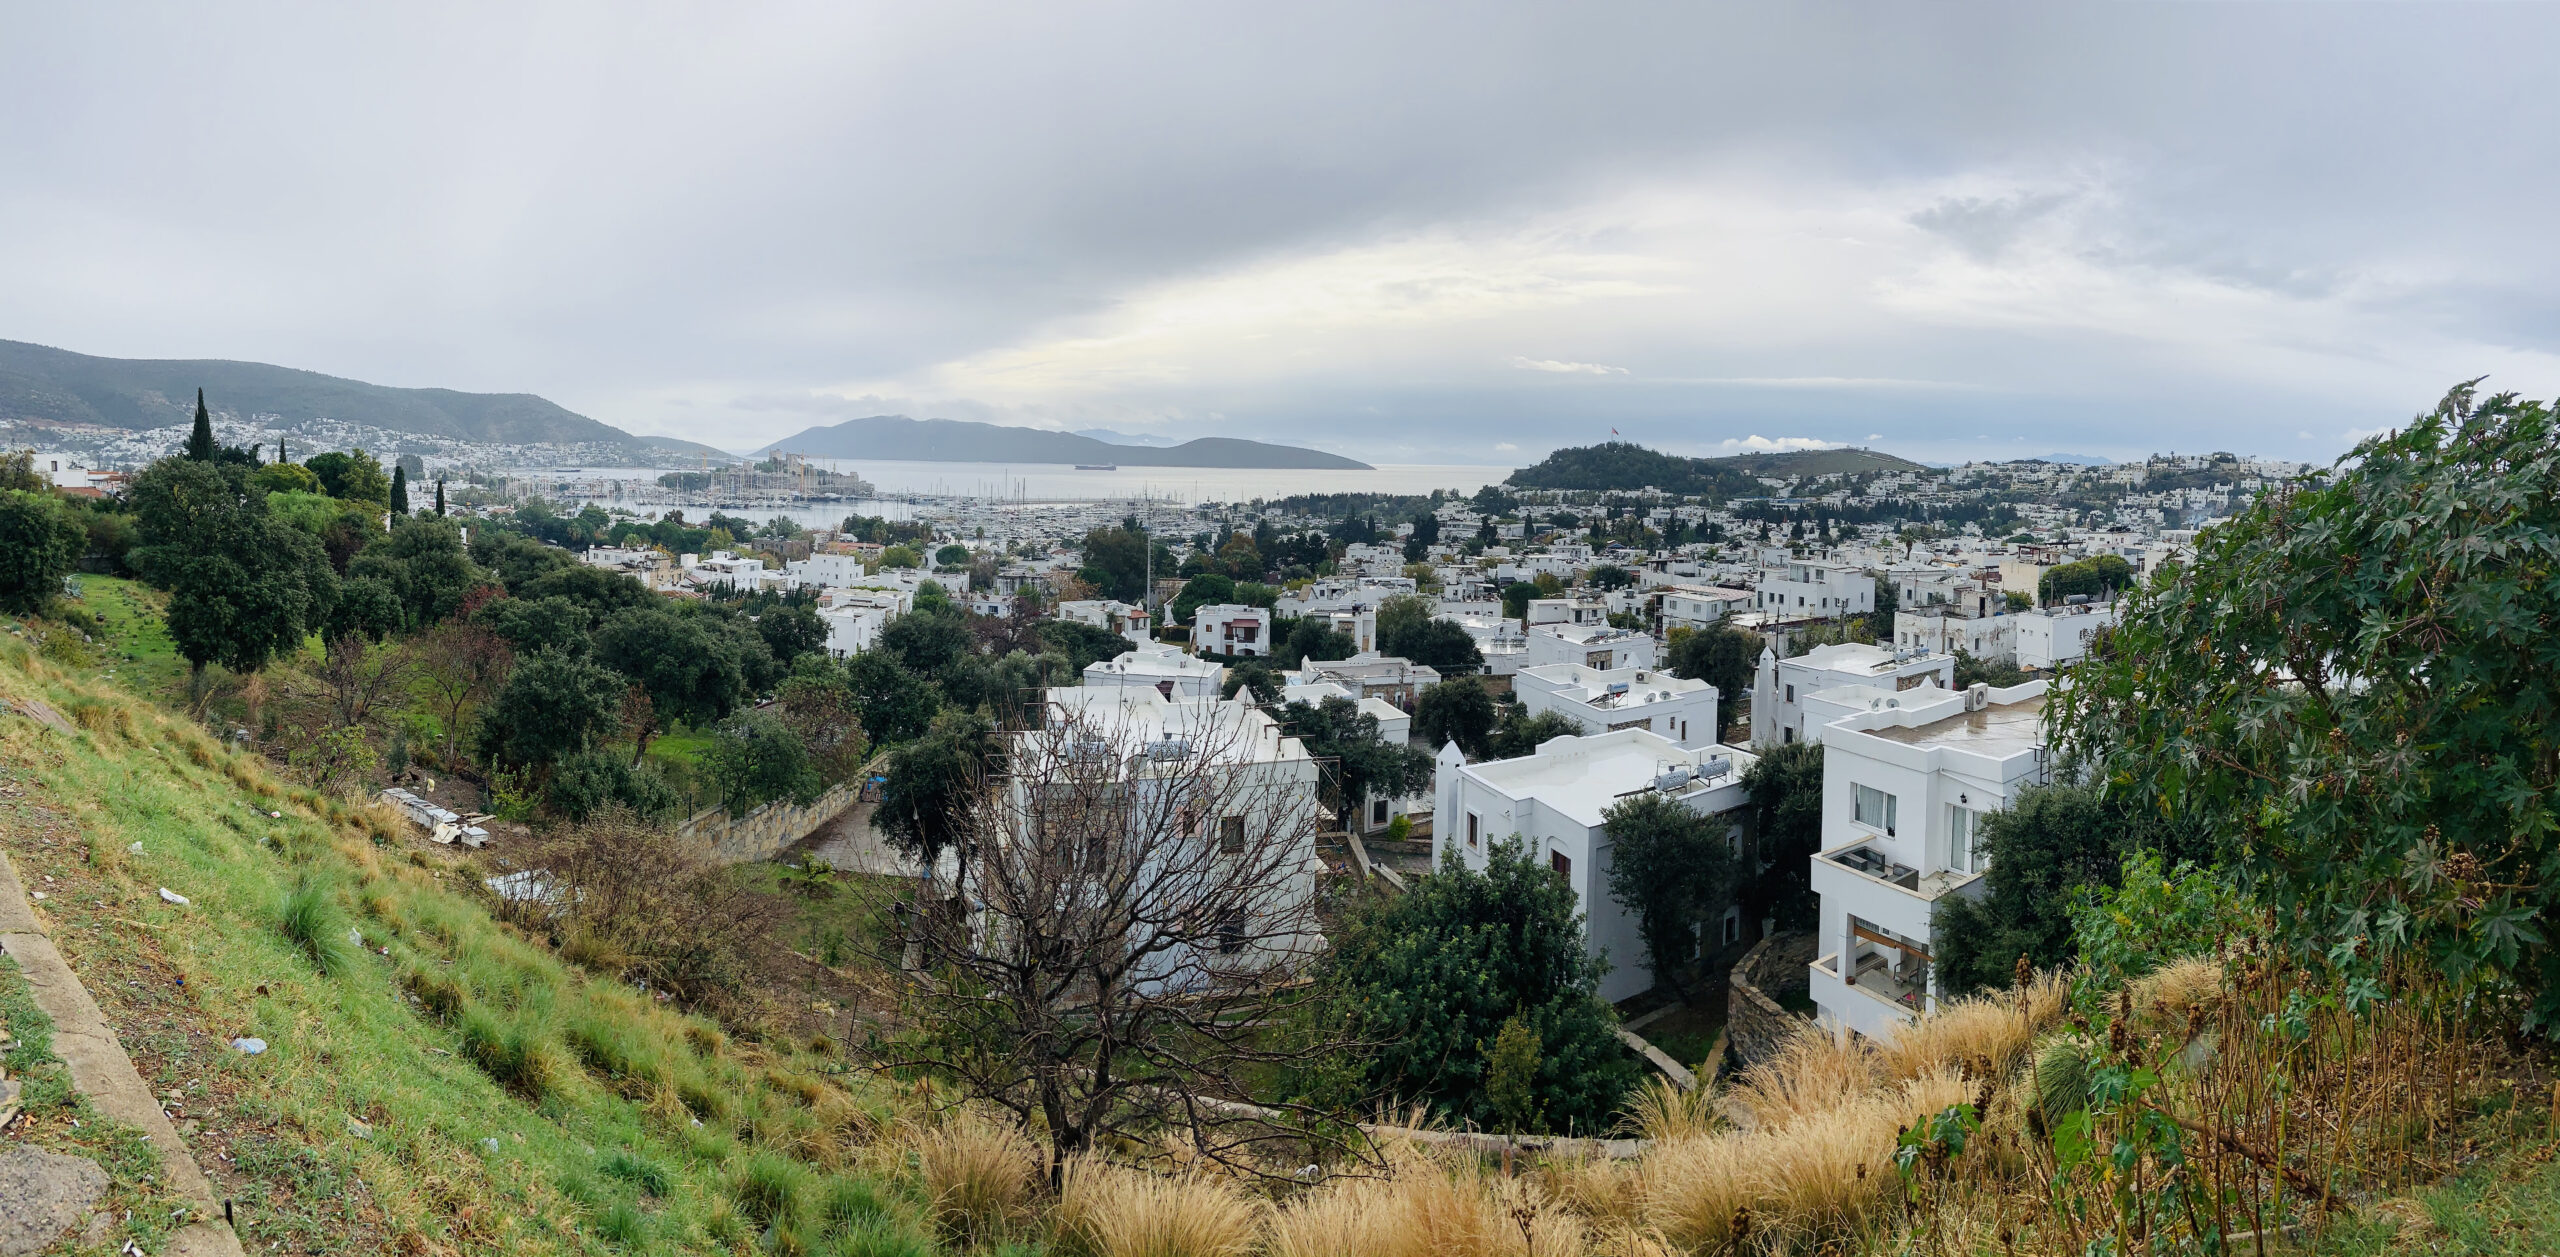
763,833
1754,1023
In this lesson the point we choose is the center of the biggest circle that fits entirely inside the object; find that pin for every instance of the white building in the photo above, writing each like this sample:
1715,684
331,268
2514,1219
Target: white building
1131,622
1554,800
1991,638
2054,636
725,568
1904,791
1779,694
1817,587
1679,709
1396,680
1590,646
1159,667
826,571
1261,782
1697,606
1231,629
1582,609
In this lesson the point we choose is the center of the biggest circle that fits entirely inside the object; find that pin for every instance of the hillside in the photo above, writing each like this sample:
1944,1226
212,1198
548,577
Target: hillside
896,437
1624,466
50,385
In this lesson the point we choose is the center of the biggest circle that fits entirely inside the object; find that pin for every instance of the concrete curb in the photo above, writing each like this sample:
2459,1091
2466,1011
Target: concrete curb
101,1070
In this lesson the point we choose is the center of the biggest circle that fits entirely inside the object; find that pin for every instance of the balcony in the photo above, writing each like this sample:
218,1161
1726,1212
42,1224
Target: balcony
1864,859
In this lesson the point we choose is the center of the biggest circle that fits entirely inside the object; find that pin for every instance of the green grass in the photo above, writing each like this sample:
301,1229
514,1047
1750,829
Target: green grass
442,1093
2507,1205
60,1120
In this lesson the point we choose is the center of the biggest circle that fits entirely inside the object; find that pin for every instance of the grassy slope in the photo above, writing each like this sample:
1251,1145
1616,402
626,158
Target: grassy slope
367,1125
60,1120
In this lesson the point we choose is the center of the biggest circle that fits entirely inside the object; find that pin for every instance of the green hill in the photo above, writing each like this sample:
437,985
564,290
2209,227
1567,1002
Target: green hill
1624,466
897,437
452,1085
50,385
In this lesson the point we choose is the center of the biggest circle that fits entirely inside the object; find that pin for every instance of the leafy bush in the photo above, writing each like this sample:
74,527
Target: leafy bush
2154,916
591,781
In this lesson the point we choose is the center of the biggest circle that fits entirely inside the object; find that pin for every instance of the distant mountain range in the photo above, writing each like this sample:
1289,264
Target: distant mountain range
1625,465
49,385
896,437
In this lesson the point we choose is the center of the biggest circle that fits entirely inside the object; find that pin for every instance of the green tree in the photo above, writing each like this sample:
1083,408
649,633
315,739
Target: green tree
368,608
1309,637
533,625
1609,576
600,593
757,758
894,704
551,706
1363,765
200,446
2092,577
1518,733
249,591
1431,976
790,631
283,477
928,641
900,557
1511,1076
589,782
1115,562
1457,710
931,785
1785,785
953,555
689,672
1673,869
1516,597
400,491
2354,686
1720,655
356,477
1434,643
1083,644
424,563
439,498
40,545
1208,589
1971,671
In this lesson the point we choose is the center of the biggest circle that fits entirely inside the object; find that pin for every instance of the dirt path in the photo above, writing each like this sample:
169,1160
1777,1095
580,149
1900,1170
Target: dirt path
101,1070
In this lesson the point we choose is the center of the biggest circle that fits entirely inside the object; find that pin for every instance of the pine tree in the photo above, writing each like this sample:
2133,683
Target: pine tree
399,490
200,442
439,497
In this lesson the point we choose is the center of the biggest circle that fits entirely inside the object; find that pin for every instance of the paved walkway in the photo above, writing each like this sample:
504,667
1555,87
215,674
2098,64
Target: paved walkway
101,1070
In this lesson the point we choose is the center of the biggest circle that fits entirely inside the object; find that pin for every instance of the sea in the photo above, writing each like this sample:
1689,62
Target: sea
903,486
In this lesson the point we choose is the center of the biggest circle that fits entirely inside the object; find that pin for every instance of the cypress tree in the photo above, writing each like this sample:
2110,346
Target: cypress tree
200,442
399,489
439,497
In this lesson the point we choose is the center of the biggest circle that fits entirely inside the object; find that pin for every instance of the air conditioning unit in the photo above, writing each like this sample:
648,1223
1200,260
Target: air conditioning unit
1977,696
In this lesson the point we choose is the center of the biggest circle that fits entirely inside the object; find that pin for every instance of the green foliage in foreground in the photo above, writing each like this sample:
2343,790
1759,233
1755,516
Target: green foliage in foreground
1431,977
2357,683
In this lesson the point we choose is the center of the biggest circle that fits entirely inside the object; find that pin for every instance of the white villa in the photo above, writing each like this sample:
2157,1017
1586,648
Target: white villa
1781,713
1166,669
1554,799
2055,636
1589,645
1818,587
1903,793
1604,701
1228,628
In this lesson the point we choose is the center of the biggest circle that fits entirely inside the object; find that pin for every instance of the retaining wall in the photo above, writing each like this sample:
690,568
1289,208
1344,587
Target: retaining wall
1754,1023
763,833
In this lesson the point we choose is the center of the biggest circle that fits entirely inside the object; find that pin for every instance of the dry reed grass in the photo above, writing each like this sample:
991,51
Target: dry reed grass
1809,1074
1106,1210
1661,1110
978,1176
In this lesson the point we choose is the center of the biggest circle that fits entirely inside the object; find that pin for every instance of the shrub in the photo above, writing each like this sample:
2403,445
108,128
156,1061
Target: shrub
849,1203
772,1189
977,1176
640,1172
623,1226
1110,1211
512,1054
309,919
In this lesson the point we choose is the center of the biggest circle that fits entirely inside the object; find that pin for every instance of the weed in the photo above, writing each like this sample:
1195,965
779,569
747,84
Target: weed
977,1175
309,920
850,1202
512,1054
772,1189
623,1226
640,1172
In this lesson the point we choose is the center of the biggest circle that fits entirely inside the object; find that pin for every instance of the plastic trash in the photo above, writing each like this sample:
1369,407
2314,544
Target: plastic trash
135,848
171,896
490,1145
249,1046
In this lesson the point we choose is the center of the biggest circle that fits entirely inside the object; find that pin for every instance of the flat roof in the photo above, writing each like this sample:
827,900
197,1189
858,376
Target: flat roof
1999,730
1584,775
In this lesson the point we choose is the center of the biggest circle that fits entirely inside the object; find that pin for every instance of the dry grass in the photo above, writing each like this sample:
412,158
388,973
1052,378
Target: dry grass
1810,1074
978,1176
1661,1110
1113,1211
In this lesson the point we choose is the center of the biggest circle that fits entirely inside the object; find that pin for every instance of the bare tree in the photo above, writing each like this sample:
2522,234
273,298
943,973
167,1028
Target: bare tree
460,664
1136,902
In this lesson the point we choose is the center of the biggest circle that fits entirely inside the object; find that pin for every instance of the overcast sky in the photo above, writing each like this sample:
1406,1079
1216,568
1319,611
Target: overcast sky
1462,234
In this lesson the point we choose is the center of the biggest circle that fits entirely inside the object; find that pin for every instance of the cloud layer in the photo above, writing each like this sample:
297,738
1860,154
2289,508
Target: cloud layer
1408,233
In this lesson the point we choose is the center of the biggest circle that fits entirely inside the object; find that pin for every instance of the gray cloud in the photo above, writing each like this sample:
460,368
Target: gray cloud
2102,227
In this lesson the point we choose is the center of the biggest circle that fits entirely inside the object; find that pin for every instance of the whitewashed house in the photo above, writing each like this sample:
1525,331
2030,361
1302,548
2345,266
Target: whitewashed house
2055,636
1554,799
1395,727
1697,606
1161,667
1817,587
1132,622
1782,688
1231,629
1590,646
1904,790
1604,701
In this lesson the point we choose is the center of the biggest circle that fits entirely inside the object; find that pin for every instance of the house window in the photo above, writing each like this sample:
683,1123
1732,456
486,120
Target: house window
1873,808
1231,834
1791,693
1733,927
1472,824
1378,812
1230,932
1787,735
1964,842
1561,863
